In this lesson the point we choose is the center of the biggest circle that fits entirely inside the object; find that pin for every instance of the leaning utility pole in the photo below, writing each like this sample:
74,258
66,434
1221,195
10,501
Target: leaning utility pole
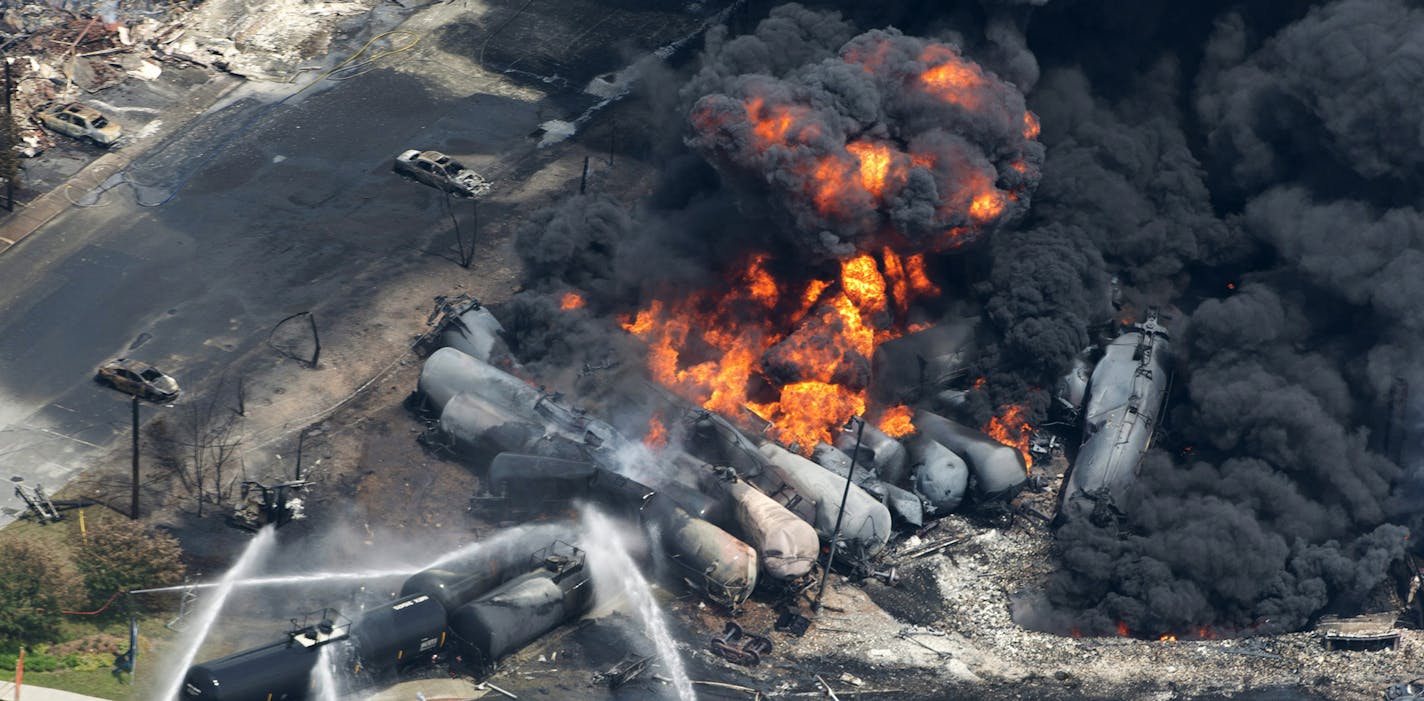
133,509
836,532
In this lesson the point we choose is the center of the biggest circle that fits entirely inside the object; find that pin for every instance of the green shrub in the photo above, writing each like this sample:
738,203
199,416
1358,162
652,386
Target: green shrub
125,555
31,593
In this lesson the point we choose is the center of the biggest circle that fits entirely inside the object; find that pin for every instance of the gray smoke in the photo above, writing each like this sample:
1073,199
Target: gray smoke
779,109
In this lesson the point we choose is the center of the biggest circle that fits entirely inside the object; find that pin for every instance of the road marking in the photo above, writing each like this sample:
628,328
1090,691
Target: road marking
67,437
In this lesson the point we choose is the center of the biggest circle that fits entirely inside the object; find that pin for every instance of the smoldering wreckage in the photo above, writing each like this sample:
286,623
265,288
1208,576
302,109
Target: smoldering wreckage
860,330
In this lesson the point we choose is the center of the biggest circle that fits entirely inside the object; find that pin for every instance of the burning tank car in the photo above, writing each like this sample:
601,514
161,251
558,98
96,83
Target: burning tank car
1126,394
472,610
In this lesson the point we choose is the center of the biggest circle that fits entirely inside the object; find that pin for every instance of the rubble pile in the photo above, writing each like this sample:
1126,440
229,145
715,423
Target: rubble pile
953,615
258,39
66,51
63,52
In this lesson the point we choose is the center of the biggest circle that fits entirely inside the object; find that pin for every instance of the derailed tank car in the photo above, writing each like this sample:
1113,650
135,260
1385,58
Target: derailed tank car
1125,398
941,478
708,557
999,471
521,610
401,633
398,634
279,671
865,528
406,632
808,490
786,546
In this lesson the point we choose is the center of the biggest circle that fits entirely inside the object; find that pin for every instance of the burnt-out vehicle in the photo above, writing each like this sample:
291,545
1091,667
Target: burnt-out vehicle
139,379
81,121
441,172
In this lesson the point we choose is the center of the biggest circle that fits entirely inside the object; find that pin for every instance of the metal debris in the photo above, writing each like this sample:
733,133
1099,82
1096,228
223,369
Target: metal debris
626,670
738,646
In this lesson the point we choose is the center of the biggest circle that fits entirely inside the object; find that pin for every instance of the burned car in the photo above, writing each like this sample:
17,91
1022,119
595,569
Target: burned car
441,171
81,121
139,379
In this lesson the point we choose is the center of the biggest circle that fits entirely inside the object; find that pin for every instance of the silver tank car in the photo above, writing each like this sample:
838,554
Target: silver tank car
1072,388
940,476
787,546
1125,397
477,425
474,332
448,372
817,493
707,556
999,471
905,506
879,453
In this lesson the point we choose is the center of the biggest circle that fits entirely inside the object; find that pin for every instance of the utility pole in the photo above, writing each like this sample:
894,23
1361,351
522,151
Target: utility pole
301,440
612,136
9,131
133,509
836,533
583,181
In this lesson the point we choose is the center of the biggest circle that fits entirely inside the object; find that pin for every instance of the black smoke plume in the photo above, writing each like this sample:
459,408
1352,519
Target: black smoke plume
1252,169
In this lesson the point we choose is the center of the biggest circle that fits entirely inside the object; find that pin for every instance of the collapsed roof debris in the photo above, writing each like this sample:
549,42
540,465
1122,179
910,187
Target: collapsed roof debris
68,50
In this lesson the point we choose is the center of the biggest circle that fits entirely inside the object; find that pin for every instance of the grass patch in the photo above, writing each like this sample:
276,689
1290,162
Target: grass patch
90,682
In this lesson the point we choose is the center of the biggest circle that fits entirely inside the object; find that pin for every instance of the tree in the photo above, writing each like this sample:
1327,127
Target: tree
122,555
33,584
198,447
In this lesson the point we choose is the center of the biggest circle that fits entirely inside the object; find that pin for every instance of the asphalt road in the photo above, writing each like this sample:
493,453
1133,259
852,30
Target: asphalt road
268,208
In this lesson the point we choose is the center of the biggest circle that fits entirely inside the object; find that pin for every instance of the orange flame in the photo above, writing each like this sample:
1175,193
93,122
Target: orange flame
1167,639
760,283
862,177
796,361
1011,429
908,279
987,205
571,301
951,77
897,421
657,437
879,165
1031,126
1122,630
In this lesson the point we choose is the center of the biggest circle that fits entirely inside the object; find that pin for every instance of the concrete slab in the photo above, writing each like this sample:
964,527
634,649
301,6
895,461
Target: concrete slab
432,690
39,693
